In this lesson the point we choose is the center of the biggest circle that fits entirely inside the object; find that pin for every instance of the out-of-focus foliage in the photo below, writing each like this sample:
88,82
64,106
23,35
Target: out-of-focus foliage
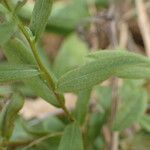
26,71
72,138
104,64
139,142
70,55
9,114
40,16
131,110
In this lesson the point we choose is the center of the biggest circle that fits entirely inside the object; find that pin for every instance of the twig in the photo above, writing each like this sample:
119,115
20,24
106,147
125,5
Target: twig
93,12
144,24
115,82
115,102
107,135
114,141
123,40
132,13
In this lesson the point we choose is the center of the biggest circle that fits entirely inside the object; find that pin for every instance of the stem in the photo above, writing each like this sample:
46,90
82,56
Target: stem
115,101
115,82
42,68
15,144
39,140
29,143
45,75
144,25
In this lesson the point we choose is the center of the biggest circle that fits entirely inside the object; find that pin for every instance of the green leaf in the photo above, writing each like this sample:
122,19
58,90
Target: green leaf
134,72
41,12
3,10
145,122
7,29
33,127
83,77
58,21
53,124
99,143
102,3
72,138
112,54
42,90
131,110
9,114
19,5
16,72
96,123
5,90
82,106
17,53
128,86
46,142
44,126
104,96
103,65
18,132
70,55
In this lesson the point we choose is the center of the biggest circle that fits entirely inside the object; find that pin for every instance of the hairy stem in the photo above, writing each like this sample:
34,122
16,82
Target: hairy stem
45,75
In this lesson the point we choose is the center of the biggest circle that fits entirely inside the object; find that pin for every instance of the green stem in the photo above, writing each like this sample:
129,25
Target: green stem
39,140
29,143
45,75
42,68
44,71
15,144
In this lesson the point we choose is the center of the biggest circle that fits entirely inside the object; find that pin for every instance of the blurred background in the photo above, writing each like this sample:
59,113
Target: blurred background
77,27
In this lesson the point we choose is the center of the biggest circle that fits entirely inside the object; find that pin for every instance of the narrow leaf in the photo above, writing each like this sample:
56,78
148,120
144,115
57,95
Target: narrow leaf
41,89
134,72
17,53
145,122
7,29
83,77
96,122
107,54
16,72
58,21
3,10
72,138
70,55
104,96
44,126
101,68
9,114
62,22
132,109
40,16
53,124
19,5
